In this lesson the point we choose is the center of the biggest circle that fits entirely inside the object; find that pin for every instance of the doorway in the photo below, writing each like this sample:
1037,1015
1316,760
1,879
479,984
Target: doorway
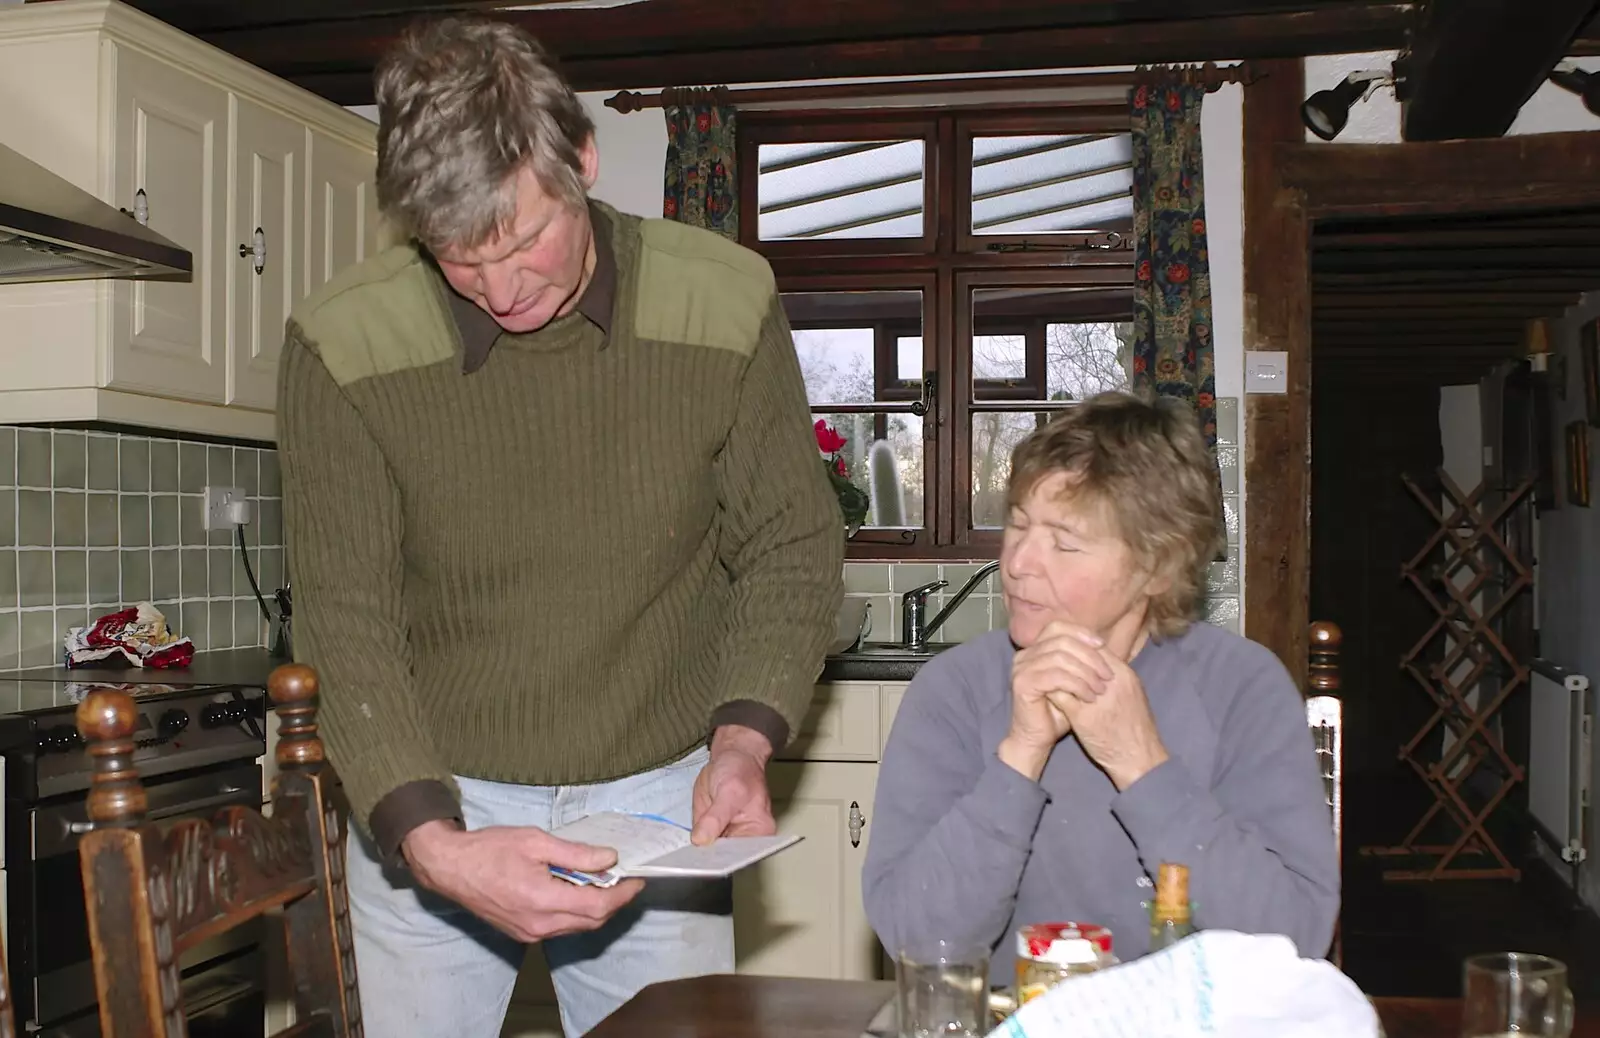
1424,395
1403,242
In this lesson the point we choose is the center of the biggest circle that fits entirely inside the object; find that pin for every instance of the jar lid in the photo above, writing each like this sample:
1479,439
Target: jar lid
1063,944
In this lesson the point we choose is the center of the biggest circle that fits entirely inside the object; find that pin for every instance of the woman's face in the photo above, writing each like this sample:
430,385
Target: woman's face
1062,559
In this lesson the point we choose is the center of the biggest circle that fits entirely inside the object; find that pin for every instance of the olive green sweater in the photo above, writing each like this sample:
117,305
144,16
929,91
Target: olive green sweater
570,563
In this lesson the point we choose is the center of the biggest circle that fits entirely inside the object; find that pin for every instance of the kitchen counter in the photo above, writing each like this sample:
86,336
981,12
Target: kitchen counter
245,667
250,668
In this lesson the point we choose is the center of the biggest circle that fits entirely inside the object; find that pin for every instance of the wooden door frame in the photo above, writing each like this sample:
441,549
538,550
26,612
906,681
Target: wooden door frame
1289,184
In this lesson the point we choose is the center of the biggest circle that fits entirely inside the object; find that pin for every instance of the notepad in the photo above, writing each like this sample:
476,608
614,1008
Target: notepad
652,847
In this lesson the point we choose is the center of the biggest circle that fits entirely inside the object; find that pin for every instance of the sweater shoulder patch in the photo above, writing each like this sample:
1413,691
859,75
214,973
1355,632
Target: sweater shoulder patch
380,316
700,289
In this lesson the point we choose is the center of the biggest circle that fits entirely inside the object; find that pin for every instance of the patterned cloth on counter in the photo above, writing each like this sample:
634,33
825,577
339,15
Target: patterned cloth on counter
137,636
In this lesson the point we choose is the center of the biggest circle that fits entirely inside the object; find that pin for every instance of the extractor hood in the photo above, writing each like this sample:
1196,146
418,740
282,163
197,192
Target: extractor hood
53,230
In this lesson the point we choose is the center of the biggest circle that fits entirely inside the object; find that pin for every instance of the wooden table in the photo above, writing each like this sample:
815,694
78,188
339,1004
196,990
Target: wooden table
731,1006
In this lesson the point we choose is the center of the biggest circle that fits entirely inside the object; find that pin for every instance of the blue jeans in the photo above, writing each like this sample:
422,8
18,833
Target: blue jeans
430,969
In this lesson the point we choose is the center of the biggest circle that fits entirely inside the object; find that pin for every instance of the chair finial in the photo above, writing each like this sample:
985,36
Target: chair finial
1322,677
293,688
106,718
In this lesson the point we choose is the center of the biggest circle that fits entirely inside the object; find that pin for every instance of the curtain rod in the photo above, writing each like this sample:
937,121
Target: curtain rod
1210,75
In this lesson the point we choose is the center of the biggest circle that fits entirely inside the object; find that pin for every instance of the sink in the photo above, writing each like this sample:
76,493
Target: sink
897,651
880,661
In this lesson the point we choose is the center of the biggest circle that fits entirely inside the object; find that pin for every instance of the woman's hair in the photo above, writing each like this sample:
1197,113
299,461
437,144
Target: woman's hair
464,104
1144,464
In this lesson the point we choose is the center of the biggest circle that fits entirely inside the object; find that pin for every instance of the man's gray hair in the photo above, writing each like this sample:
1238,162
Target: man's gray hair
464,104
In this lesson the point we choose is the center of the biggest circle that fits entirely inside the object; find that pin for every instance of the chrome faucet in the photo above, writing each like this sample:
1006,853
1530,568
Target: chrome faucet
914,603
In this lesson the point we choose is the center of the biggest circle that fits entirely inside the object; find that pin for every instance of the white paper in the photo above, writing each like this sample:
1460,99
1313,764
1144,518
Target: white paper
1216,982
650,846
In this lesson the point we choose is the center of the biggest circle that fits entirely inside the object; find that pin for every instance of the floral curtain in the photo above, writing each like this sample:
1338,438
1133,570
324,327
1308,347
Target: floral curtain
701,185
1172,349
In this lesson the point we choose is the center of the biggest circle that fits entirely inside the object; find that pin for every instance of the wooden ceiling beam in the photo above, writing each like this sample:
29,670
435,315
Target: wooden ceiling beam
1456,281
1545,302
1473,64
336,60
1455,237
1322,341
1530,261
662,25
1536,171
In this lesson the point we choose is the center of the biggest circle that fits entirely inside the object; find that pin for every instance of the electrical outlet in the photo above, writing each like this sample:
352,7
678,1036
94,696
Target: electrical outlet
217,507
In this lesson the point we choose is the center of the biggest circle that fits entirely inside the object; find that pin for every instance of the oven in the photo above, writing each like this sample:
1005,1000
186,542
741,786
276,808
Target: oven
195,771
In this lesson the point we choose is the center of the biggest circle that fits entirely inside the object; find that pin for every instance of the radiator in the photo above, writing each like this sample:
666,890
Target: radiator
1559,765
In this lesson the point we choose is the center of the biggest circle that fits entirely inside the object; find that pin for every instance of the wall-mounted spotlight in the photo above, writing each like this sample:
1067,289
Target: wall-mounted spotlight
1326,111
1586,85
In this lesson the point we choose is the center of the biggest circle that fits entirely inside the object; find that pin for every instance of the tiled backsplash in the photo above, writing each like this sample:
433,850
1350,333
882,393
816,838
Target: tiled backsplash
882,583
91,522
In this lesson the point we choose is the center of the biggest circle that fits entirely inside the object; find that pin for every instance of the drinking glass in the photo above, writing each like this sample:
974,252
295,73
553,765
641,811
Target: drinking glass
943,990
1515,994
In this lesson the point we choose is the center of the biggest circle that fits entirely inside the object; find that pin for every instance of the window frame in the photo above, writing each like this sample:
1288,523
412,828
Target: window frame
945,265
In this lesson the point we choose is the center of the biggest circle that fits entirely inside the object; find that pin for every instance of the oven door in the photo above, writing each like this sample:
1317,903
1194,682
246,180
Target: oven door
63,976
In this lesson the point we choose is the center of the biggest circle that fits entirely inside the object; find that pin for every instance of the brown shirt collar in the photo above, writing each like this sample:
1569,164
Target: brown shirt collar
479,331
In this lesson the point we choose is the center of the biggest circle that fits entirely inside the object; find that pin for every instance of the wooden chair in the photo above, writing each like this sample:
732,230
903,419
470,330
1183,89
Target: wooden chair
8,1017
152,897
1325,715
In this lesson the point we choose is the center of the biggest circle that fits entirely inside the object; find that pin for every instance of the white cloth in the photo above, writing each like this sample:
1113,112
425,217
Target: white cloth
1216,982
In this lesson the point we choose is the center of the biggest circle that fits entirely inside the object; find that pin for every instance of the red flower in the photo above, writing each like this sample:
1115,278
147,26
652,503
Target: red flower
1198,227
1205,399
1178,273
719,170
1141,97
669,208
1138,365
838,465
1174,102
1144,271
702,122
828,440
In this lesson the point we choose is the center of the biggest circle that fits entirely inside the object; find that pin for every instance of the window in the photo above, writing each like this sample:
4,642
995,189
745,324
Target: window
953,280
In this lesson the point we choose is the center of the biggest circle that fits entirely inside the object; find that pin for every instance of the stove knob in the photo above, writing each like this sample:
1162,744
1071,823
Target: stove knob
58,739
220,715
172,722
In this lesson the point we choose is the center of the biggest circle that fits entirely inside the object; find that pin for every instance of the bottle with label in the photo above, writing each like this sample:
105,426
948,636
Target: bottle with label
1171,913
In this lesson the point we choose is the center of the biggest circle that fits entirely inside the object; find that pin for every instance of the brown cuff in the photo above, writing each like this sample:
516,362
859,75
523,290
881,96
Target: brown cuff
405,807
750,714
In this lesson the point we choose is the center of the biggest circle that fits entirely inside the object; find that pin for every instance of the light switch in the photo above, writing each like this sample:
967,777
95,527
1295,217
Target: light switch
1266,371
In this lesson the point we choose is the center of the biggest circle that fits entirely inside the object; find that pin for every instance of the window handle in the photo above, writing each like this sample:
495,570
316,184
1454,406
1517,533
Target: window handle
930,385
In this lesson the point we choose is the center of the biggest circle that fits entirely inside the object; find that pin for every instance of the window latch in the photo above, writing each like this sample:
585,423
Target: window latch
930,383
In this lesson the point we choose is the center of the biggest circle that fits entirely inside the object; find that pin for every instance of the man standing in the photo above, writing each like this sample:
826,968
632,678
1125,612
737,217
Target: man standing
561,544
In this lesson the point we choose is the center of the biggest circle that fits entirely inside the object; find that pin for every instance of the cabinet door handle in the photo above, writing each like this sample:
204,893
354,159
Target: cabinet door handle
256,250
858,822
141,208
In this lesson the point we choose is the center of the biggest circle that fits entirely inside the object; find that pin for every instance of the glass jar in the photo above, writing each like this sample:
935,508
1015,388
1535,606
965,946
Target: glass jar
1048,953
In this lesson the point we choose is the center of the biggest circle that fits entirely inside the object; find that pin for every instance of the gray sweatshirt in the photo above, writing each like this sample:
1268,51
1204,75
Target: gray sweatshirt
966,849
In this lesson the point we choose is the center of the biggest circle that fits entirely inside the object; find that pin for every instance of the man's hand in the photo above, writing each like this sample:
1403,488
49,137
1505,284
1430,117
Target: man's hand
730,794
501,875
1065,661
1115,726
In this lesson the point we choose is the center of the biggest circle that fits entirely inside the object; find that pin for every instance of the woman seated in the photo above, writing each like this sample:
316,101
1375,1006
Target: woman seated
1044,773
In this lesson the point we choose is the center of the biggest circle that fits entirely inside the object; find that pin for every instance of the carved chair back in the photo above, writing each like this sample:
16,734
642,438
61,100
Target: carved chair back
152,896
1325,715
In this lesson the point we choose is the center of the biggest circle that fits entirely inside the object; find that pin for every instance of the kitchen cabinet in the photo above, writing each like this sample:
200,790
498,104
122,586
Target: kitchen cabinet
267,185
171,131
267,270
799,913
345,227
